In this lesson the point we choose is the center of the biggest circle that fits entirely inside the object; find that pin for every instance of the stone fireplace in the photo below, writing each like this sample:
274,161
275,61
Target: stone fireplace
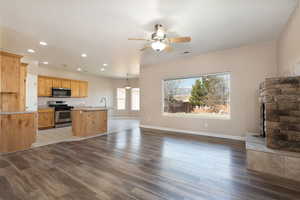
280,113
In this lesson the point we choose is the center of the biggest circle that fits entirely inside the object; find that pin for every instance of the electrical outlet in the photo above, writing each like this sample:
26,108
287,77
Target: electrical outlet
205,124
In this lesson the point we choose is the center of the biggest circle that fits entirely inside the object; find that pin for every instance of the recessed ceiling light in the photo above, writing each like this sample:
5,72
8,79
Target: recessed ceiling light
102,69
104,64
79,69
43,43
30,50
45,63
83,55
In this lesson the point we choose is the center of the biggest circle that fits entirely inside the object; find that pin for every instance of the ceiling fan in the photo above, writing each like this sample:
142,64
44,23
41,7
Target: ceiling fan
159,40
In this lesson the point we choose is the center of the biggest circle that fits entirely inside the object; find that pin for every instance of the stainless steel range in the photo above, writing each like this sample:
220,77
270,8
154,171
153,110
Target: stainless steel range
62,113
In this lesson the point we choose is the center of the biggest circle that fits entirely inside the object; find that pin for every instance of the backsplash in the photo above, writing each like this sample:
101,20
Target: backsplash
42,101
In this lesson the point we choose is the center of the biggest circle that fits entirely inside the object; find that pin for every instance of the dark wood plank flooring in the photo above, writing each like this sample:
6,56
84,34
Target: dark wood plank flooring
138,165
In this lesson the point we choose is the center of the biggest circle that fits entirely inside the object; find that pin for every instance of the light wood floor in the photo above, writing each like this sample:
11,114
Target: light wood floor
138,165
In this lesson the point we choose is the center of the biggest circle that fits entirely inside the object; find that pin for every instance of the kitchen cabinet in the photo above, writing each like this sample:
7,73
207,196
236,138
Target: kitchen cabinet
56,83
88,122
45,118
18,131
66,84
22,93
83,89
75,88
45,85
11,83
9,72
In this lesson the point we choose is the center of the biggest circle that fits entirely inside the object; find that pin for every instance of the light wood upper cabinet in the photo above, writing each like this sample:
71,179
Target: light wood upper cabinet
45,85
12,90
83,89
10,73
56,83
66,83
75,88
41,86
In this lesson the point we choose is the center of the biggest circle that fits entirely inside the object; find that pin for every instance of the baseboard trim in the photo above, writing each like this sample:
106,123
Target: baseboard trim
232,137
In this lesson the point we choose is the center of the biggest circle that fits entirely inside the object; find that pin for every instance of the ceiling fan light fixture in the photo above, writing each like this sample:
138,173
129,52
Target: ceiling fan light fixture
158,46
160,33
127,87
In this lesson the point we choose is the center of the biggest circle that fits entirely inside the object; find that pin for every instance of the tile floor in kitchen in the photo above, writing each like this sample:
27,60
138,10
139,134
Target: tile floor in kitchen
55,135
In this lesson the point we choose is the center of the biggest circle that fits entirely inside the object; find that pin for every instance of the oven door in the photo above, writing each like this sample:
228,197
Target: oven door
63,116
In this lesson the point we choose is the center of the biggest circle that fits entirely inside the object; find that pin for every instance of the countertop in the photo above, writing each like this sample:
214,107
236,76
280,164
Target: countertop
44,107
90,108
21,112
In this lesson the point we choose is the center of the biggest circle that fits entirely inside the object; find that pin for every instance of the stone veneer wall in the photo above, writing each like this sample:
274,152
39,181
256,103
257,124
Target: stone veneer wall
280,99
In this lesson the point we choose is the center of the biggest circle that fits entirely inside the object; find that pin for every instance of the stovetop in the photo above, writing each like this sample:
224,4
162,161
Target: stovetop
59,105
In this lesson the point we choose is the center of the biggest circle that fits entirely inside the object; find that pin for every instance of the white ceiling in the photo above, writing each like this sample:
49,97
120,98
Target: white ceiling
100,29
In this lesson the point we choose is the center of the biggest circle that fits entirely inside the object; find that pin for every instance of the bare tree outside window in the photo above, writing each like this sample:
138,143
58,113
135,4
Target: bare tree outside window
207,95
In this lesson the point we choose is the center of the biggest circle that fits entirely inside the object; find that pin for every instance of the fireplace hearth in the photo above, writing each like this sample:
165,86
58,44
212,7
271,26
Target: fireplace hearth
280,113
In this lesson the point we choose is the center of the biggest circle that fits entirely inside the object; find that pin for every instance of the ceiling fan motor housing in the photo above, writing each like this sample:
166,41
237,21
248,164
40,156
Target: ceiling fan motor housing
159,37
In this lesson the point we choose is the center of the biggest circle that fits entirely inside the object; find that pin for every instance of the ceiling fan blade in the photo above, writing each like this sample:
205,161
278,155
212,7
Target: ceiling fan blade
137,39
168,48
144,48
180,39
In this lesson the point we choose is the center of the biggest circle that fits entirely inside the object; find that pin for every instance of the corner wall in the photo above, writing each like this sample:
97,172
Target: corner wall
249,65
289,47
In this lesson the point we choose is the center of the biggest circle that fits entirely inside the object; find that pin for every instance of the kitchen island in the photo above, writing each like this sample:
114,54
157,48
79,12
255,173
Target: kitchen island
89,121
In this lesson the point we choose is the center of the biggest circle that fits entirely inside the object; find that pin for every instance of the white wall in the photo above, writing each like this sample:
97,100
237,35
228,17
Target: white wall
249,65
1,36
289,47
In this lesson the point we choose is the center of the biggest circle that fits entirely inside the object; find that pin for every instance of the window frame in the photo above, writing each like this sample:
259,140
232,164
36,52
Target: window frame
191,116
131,100
117,98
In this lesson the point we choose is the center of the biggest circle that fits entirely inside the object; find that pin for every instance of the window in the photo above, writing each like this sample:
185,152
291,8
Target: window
121,98
135,99
207,96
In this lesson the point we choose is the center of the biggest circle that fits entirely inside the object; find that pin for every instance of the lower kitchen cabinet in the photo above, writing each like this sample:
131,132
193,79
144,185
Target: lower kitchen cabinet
17,131
46,118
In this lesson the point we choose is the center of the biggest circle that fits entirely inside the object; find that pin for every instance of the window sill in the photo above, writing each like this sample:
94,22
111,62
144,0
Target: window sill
199,116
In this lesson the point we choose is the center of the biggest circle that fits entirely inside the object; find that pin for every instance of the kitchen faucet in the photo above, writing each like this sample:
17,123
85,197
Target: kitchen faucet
103,99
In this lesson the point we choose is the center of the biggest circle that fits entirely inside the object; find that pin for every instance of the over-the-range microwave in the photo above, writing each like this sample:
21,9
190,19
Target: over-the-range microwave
61,92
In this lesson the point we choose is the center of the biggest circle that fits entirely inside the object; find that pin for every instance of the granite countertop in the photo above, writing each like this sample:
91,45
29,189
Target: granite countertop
20,112
90,108
43,107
